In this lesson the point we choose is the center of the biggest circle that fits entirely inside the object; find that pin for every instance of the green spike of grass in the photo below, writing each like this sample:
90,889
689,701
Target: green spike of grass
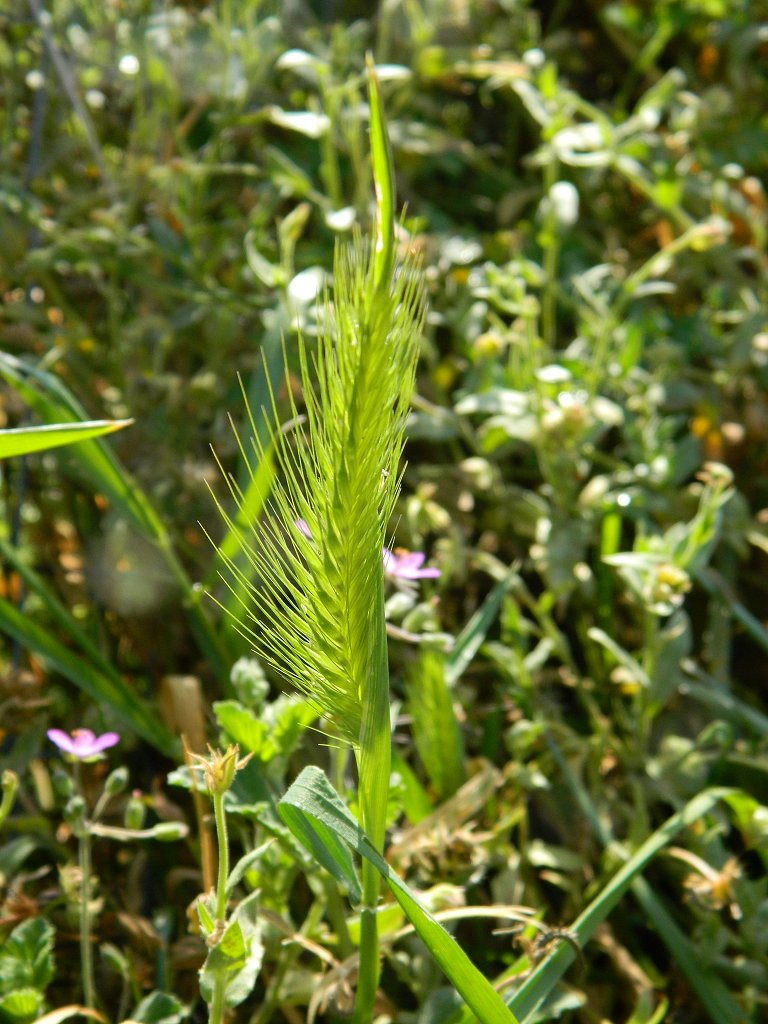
312,603
340,473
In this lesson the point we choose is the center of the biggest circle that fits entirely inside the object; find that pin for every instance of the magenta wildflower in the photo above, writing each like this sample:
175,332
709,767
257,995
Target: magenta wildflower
407,565
82,744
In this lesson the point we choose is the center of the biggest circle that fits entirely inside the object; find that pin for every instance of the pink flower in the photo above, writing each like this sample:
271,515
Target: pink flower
406,565
304,528
82,744
399,564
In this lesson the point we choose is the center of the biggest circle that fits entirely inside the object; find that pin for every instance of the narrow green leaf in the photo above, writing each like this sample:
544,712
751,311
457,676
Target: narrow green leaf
250,505
117,694
384,183
246,862
58,611
546,975
25,440
474,633
97,463
206,918
312,808
714,994
624,658
436,729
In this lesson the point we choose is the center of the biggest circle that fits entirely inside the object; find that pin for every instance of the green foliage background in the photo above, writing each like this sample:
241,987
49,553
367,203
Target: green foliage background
584,184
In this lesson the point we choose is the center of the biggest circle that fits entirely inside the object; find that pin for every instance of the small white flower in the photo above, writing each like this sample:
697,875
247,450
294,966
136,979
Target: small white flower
535,58
129,64
95,99
306,286
564,200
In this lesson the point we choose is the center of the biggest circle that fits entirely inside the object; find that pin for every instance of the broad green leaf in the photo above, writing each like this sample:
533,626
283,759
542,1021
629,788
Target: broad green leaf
237,955
25,440
313,811
276,730
242,725
232,944
159,1008
317,832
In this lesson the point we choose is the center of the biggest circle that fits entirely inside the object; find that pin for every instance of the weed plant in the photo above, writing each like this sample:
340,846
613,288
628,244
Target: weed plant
513,543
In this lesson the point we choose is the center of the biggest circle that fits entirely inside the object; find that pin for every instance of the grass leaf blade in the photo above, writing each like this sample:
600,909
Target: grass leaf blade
26,440
313,805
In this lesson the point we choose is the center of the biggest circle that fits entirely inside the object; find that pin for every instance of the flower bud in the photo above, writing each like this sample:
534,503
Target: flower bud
74,815
135,811
116,781
170,831
10,784
250,683
62,782
220,768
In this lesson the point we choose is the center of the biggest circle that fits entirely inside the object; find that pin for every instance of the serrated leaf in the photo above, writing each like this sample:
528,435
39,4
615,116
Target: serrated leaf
26,959
24,1004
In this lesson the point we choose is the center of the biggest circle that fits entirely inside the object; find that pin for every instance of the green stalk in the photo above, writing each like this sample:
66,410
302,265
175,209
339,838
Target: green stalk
84,860
374,759
551,256
216,1014
86,949
10,784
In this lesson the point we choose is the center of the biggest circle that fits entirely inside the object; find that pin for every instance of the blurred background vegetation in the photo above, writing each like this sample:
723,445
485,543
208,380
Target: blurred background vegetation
587,460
